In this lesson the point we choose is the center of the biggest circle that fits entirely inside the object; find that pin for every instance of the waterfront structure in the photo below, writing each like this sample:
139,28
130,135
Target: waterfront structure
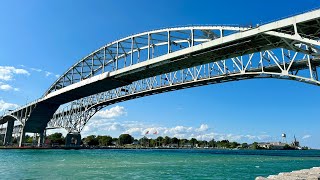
170,59
272,145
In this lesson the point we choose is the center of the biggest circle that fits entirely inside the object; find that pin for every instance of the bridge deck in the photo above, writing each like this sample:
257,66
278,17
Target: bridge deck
282,33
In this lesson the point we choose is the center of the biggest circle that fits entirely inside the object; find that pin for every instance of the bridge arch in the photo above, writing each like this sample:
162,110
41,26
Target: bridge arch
138,48
169,59
264,64
9,119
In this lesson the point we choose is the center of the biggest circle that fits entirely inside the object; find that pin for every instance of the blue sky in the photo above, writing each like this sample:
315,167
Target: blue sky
39,40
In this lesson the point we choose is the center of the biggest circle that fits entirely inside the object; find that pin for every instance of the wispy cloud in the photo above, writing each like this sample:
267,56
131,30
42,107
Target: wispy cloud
6,106
7,72
46,73
306,136
202,128
104,122
7,87
110,113
35,69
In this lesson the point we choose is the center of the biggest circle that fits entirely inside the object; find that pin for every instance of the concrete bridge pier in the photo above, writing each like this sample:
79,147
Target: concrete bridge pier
41,138
8,135
22,138
73,139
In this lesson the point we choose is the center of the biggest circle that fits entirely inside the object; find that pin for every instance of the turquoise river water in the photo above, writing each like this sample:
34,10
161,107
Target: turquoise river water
151,164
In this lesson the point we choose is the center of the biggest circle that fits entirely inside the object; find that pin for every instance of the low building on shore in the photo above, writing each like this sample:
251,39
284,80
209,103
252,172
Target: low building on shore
272,145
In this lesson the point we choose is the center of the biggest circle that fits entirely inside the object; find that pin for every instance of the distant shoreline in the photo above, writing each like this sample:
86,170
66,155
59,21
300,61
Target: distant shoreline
142,148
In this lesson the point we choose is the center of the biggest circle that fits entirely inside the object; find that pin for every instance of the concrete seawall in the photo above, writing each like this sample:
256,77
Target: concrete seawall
304,174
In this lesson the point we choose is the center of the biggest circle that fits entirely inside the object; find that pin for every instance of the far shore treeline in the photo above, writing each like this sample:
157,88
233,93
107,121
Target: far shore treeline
127,141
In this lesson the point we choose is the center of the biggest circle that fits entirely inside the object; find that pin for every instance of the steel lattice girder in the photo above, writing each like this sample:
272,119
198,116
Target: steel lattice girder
153,54
284,33
138,48
288,64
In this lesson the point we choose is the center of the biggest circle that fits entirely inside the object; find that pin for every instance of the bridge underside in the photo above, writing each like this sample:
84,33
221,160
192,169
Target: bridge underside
175,58
40,117
282,34
75,116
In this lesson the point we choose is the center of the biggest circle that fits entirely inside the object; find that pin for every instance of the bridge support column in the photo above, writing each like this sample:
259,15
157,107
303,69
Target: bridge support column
22,137
8,135
41,138
73,140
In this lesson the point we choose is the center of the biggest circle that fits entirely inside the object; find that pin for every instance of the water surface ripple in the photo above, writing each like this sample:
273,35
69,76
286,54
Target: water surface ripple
151,164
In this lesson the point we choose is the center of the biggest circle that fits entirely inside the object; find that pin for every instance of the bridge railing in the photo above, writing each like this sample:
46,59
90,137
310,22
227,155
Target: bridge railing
277,63
8,112
142,47
139,48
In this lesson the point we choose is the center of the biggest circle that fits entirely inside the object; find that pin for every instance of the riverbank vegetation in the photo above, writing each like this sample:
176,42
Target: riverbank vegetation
127,141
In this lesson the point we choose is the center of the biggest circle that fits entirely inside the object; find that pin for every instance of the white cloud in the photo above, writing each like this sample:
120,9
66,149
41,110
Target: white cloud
7,87
138,129
176,130
306,136
104,122
48,73
35,69
202,128
7,72
135,130
6,106
110,113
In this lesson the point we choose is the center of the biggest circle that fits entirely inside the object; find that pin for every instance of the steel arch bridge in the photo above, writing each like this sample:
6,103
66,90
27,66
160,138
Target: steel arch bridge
171,59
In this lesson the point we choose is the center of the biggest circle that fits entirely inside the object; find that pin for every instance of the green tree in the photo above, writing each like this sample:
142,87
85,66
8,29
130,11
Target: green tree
183,142
56,138
144,141
159,140
28,139
174,140
104,140
115,140
223,144
212,143
167,140
153,142
92,140
244,145
193,141
204,143
254,145
234,145
125,139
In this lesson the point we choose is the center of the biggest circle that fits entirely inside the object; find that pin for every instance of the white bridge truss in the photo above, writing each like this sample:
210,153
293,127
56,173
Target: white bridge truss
138,48
175,58
277,63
